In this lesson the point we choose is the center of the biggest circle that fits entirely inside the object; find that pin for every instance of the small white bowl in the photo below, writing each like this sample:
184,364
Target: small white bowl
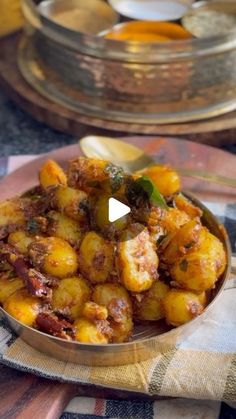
152,9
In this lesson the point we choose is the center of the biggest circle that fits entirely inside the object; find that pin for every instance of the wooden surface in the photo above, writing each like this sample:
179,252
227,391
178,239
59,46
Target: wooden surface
216,131
24,395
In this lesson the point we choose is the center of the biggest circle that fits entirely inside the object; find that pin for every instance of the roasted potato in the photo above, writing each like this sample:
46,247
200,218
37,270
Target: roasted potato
101,219
53,256
74,203
20,240
117,301
150,306
23,307
8,286
199,270
212,246
195,272
183,204
11,216
181,306
137,259
103,294
93,311
96,258
88,331
172,220
183,242
64,227
70,296
51,174
165,179
121,331
95,173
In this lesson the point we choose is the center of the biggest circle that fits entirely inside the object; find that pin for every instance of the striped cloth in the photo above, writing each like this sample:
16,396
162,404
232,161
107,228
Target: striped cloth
202,369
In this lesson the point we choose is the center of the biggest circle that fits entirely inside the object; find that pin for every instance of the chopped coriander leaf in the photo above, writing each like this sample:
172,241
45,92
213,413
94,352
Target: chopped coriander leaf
116,175
33,226
151,190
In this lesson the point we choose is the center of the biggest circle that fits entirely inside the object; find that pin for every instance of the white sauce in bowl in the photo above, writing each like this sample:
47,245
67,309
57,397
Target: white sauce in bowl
151,9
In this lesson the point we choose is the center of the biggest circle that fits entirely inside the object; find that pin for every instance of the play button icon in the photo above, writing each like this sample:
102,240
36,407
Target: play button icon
117,210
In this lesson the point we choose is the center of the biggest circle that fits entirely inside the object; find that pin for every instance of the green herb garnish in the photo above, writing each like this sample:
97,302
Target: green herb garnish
116,176
155,197
33,226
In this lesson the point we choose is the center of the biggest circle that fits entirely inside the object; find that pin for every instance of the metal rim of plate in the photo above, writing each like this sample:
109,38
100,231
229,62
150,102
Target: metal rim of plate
39,78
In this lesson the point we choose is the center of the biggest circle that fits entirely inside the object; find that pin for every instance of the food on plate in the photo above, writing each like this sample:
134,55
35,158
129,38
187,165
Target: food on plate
68,271
150,307
137,259
96,257
23,306
53,256
70,296
148,32
9,285
181,306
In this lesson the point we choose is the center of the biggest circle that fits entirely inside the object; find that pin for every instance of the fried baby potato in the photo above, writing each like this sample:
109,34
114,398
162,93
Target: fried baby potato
11,216
151,305
23,307
8,286
200,270
101,217
173,219
183,204
96,258
93,311
212,246
64,227
51,174
103,294
165,179
72,202
116,299
70,296
184,241
20,240
87,173
122,331
195,272
53,256
181,306
137,259
162,222
88,331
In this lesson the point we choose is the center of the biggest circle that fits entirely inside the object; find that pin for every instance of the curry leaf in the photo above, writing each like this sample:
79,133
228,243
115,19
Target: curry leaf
151,190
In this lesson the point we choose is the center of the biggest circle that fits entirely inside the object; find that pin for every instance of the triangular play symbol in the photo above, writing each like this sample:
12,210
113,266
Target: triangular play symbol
117,210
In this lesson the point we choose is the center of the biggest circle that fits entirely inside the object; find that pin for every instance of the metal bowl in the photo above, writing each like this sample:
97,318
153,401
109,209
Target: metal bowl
129,81
147,340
